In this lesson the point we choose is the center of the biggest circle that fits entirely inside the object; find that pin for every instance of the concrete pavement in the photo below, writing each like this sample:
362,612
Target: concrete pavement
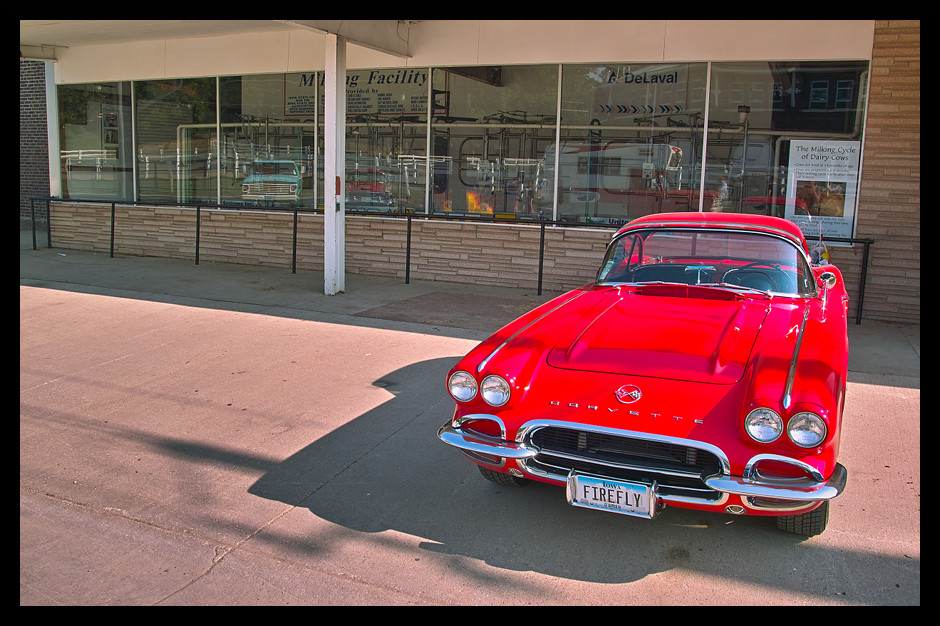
222,434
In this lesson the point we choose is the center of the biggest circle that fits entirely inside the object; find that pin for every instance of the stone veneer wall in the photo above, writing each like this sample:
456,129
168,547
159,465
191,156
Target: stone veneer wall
481,253
503,255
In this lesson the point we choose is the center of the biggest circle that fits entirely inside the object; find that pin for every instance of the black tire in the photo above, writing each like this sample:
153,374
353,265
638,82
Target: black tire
502,479
808,524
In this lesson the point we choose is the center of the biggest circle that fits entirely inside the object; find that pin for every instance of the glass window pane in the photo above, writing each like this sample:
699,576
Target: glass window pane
631,140
386,139
749,141
95,136
492,129
176,140
268,139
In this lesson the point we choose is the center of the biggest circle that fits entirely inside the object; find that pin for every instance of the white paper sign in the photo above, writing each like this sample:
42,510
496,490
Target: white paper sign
822,186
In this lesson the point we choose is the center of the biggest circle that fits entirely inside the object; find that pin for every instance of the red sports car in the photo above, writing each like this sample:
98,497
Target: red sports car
704,368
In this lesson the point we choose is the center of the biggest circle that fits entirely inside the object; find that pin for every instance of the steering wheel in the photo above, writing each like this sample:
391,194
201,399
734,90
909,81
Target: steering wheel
750,267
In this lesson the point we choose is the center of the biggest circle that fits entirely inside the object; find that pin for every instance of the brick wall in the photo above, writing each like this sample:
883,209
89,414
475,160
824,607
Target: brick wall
34,148
889,194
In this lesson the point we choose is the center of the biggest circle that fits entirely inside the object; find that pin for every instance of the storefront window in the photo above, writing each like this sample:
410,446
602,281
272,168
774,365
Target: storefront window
631,140
492,129
386,139
268,138
95,138
177,151
779,138
785,139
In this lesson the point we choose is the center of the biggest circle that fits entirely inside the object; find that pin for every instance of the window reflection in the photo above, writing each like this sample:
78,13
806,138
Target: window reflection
492,128
386,139
756,109
177,150
267,135
95,137
631,139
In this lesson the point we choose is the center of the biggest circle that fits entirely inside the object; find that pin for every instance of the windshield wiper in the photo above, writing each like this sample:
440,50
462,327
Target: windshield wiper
735,287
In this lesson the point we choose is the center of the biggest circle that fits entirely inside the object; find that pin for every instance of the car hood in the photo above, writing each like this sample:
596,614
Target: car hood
706,336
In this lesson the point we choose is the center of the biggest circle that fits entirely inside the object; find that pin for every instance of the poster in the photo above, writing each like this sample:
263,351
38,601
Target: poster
822,186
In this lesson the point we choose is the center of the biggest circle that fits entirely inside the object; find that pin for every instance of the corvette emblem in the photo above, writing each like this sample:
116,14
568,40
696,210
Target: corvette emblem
628,394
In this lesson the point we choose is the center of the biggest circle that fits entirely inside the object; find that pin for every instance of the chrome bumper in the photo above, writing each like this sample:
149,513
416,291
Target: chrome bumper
756,492
481,444
802,491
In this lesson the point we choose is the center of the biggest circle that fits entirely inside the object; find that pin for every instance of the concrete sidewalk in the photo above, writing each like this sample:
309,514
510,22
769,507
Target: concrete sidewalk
472,311
219,434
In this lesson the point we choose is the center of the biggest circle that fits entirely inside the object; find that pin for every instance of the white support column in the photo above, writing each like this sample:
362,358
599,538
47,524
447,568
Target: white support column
334,167
52,132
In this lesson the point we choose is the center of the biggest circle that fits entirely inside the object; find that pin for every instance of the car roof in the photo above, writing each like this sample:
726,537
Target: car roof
763,223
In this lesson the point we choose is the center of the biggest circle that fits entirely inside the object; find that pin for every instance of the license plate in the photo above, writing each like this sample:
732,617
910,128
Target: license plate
607,494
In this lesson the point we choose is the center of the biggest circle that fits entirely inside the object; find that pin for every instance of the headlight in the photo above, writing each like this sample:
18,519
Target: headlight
763,425
462,386
806,430
495,390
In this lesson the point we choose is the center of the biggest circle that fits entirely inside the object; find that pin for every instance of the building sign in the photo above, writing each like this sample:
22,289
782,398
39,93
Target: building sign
393,92
822,185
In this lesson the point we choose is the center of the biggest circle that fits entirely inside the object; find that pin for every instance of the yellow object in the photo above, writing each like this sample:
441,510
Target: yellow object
475,206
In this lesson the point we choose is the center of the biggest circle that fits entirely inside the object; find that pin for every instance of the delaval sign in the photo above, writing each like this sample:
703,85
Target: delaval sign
628,77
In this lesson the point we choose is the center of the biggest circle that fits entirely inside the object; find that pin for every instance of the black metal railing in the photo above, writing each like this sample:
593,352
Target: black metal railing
409,216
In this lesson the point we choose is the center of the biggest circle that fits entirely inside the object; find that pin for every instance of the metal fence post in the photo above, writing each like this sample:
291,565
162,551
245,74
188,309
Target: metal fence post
293,261
112,229
408,253
198,208
541,253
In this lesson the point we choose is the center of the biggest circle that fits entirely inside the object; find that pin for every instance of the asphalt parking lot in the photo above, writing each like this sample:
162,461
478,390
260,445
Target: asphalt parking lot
227,435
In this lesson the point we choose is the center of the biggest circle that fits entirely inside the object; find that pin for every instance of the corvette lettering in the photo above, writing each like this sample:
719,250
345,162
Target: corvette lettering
594,407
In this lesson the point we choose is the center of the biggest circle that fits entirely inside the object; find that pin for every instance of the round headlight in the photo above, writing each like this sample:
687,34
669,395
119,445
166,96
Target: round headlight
462,386
806,429
495,390
763,425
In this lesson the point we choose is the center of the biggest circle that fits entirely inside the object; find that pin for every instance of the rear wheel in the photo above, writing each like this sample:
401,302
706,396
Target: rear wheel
806,524
502,479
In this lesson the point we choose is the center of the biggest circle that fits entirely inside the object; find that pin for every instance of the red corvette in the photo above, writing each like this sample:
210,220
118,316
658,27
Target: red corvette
704,368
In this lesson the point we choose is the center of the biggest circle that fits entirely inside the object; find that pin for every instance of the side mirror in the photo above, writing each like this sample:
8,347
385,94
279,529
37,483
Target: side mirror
827,280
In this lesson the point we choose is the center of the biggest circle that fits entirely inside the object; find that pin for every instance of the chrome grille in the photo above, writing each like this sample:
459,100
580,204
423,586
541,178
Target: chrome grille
677,469
270,188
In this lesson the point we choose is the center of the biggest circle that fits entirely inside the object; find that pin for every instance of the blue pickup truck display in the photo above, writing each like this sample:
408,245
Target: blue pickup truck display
272,182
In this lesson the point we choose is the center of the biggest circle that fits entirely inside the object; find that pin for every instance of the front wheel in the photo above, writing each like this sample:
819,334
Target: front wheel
502,479
806,524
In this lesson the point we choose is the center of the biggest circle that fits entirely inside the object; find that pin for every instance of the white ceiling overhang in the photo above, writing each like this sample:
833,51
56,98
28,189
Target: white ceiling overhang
43,39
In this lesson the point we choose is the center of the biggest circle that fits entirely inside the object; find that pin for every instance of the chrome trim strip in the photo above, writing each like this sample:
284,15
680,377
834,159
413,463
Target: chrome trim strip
703,226
482,416
791,375
751,473
523,329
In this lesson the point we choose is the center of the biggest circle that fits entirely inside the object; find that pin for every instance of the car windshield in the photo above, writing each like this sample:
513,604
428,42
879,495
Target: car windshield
274,168
721,258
